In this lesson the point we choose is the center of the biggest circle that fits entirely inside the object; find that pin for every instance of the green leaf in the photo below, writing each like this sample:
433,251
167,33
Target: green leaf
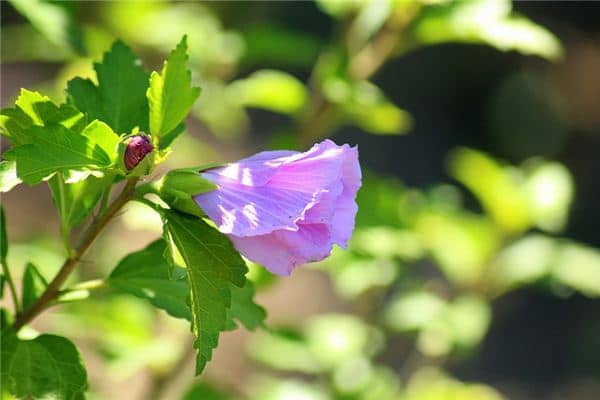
34,285
213,266
498,189
32,108
489,22
55,20
3,236
201,390
244,309
366,106
120,97
8,176
578,266
269,89
178,187
278,45
56,148
166,140
185,182
145,274
170,95
48,367
75,201
102,136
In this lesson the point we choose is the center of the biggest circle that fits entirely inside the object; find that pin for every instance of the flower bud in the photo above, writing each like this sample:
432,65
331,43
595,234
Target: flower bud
138,147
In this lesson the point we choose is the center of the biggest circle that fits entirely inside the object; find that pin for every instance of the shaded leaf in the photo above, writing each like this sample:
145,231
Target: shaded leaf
244,309
120,97
145,274
34,285
213,266
48,366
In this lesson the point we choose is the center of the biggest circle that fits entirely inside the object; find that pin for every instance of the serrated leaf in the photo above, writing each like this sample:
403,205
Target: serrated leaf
145,274
120,97
8,176
55,148
213,266
48,367
55,20
34,285
32,108
170,95
244,309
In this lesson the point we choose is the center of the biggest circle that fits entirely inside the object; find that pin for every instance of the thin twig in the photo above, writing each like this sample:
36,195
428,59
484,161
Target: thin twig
53,289
11,284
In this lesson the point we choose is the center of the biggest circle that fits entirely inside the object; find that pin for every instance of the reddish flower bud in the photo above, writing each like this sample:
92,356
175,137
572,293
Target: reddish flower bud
137,148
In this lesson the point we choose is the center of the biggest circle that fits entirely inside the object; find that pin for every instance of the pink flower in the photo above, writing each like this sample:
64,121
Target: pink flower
284,208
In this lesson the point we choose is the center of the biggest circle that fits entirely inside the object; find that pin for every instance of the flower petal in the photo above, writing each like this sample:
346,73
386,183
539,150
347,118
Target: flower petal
281,251
289,186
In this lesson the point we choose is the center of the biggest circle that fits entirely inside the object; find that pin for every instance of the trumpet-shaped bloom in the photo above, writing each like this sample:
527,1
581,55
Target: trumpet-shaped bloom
285,208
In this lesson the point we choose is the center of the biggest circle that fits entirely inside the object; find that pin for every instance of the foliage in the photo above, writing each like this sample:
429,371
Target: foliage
423,268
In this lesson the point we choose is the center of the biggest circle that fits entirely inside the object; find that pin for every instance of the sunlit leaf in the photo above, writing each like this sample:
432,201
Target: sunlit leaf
32,108
8,175
461,243
170,95
499,191
550,192
55,148
578,266
269,89
284,350
524,261
336,338
55,20
430,383
272,389
488,22
413,311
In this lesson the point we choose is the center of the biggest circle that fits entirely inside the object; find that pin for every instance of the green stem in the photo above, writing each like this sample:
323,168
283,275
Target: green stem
88,285
53,289
104,199
11,286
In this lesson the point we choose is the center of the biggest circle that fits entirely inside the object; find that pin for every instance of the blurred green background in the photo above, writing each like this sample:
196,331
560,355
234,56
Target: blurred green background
474,270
